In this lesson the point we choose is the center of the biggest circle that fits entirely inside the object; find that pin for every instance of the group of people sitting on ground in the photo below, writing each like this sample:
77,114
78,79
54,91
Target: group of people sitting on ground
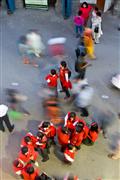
70,137
81,20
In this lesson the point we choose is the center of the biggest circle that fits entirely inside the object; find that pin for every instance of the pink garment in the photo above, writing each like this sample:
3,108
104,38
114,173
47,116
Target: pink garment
79,20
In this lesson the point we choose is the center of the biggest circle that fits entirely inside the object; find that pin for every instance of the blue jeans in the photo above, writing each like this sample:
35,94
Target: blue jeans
79,29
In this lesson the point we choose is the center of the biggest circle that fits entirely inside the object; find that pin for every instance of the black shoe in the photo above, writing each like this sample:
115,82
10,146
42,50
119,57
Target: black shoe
13,126
44,160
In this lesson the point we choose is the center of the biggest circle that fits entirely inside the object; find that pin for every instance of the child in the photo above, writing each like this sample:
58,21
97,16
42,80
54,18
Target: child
69,153
52,80
92,134
64,75
96,27
79,23
88,41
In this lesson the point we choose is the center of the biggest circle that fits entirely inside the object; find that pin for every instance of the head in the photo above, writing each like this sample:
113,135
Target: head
24,150
80,124
70,146
84,5
94,127
72,116
96,9
27,139
40,135
82,55
46,124
30,170
79,13
16,163
88,32
53,71
65,130
63,64
78,129
98,14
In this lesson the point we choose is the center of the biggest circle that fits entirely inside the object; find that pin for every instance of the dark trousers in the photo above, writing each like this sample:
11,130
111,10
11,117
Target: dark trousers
88,142
43,153
6,120
84,111
65,90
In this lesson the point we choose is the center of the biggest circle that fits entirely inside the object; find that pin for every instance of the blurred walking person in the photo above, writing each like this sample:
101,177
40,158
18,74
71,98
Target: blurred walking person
89,44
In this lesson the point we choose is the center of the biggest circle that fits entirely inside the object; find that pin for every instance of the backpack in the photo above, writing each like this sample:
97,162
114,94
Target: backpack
96,30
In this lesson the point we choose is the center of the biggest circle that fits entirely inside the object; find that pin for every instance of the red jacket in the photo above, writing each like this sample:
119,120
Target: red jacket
93,135
33,140
86,131
65,82
27,176
41,143
86,12
25,159
70,124
18,170
52,80
69,155
62,138
77,138
49,132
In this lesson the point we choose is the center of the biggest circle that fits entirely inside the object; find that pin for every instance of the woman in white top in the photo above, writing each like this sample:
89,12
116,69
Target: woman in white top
96,26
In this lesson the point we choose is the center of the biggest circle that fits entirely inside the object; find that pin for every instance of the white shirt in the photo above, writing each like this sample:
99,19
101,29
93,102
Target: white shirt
3,110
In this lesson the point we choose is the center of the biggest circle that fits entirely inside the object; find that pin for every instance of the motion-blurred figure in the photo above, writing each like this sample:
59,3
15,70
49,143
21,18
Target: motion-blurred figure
83,99
15,99
57,47
114,144
31,45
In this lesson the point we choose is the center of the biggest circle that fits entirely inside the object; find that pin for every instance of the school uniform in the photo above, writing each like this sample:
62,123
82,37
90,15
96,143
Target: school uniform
69,155
27,176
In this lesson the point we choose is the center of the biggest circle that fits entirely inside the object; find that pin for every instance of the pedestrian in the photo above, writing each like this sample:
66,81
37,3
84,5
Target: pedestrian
96,27
18,167
79,24
63,135
83,99
42,146
86,9
71,119
15,100
89,44
80,48
65,75
27,141
92,134
4,118
94,11
116,149
27,155
80,66
69,153
49,130
77,136
30,173
52,81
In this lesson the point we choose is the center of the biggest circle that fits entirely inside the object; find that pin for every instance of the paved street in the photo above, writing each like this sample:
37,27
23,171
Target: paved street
91,162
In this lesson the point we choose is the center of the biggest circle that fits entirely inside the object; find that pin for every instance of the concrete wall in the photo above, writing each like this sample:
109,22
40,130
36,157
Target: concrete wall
107,5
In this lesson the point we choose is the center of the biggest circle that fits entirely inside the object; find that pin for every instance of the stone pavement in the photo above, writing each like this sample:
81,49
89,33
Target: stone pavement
91,162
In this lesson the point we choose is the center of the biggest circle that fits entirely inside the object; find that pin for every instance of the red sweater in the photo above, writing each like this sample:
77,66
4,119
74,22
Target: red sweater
86,12
69,155
77,138
62,137
52,80
27,176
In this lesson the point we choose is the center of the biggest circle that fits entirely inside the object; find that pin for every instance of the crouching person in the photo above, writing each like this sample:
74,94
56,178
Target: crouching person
92,134
69,153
